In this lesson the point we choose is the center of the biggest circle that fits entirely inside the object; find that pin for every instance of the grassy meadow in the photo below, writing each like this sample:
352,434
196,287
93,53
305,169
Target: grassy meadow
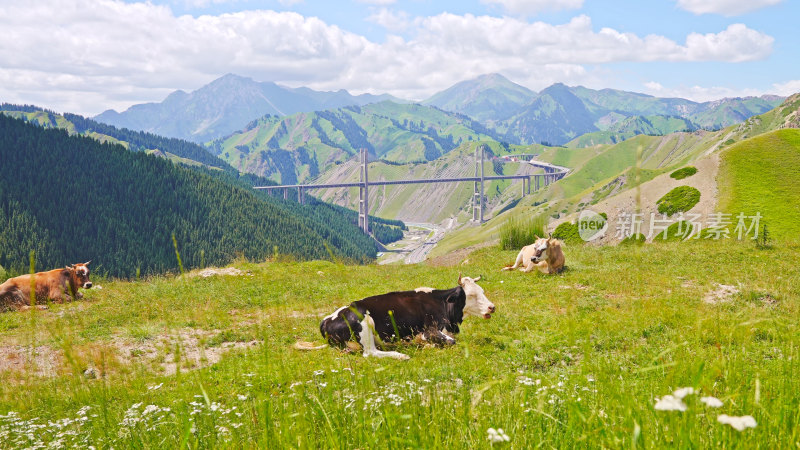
573,360
759,175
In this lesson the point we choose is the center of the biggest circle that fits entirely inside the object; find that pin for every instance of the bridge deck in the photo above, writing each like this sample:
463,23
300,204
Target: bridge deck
390,182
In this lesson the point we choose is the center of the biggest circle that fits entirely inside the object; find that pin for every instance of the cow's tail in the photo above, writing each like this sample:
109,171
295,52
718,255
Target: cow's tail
307,346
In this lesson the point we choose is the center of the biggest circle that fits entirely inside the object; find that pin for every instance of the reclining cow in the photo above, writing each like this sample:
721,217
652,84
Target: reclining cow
544,254
59,285
433,313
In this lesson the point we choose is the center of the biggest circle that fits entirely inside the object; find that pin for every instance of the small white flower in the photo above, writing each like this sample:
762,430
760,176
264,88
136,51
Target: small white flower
497,435
711,402
683,392
590,378
739,423
241,397
670,403
319,372
154,388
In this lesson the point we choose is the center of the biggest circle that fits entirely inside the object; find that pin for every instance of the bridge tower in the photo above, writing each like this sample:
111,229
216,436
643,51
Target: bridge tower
477,196
363,192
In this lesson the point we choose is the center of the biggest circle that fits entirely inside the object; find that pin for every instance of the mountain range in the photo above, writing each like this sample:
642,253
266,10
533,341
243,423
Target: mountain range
225,105
509,111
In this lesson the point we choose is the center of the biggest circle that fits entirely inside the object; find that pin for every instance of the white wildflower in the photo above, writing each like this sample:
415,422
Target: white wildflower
670,403
739,423
319,372
497,435
683,392
711,402
241,397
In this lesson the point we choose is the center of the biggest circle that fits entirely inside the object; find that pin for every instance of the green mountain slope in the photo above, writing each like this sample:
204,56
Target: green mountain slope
301,146
729,111
554,117
629,127
760,175
489,97
73,198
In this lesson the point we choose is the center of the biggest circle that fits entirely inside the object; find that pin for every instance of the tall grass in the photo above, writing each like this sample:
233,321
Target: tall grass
518,232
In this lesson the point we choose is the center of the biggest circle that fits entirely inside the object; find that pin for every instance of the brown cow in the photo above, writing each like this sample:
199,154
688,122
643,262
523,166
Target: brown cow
51,285
545,255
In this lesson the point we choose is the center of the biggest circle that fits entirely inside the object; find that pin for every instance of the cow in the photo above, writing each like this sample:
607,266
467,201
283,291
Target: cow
430,312
59,285
544,254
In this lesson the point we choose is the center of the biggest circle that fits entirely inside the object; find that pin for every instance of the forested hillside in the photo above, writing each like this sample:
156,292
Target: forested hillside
73,198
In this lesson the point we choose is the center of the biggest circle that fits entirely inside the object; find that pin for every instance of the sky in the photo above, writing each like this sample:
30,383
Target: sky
87,56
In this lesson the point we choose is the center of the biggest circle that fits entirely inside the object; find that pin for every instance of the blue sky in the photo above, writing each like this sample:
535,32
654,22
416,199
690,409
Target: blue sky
90,55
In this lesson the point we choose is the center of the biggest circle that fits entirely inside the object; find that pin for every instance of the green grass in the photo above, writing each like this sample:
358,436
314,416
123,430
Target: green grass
684,172
622,326
517,233
760,175
680,199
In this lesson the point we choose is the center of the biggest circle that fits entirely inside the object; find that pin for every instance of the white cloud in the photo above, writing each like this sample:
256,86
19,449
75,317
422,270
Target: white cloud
391,20
735,44
531,7
788,88
377,2
654,86
724,7
699,93
89,55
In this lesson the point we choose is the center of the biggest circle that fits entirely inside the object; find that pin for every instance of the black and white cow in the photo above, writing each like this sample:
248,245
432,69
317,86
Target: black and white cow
428,311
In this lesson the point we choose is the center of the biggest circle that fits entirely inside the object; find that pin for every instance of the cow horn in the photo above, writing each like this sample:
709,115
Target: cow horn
87,263
549,235
459,279
479,278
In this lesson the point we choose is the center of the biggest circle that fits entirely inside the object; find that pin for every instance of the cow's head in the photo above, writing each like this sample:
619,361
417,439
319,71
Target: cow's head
80,275
540,247
476,304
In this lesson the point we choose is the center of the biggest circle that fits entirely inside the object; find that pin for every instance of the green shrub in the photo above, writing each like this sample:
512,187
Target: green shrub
568,232
682,198
517,233
684,173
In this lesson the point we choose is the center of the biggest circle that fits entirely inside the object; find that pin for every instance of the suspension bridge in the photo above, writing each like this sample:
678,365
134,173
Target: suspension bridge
551,174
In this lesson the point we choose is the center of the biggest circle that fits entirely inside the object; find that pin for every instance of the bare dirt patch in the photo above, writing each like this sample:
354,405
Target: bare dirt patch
187,348
722,293
212,271
40,361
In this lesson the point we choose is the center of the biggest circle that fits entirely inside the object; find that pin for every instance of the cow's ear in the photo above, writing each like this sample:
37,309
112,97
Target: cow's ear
454,296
